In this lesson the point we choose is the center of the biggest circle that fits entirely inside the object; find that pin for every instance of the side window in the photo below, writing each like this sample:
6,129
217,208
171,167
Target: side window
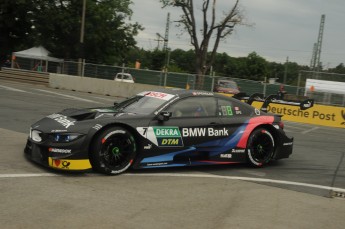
231,108
194,107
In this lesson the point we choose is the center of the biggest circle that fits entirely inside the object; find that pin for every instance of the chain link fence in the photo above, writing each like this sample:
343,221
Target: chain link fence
189,81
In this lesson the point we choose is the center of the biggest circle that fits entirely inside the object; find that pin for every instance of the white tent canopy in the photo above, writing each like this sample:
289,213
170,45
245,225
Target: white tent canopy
37,53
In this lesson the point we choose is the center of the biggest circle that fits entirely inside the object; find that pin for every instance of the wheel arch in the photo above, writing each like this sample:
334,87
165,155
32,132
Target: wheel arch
274,133
110,125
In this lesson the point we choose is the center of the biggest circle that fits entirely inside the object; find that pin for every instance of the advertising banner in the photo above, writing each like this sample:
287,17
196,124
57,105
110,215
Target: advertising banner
319,114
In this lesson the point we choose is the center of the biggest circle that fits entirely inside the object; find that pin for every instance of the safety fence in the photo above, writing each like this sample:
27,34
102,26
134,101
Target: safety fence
184,80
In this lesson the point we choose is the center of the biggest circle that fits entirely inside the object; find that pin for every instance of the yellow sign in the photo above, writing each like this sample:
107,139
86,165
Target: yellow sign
69,164
318,114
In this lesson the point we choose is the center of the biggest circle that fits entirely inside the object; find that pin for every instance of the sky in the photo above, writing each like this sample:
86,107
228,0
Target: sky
279,29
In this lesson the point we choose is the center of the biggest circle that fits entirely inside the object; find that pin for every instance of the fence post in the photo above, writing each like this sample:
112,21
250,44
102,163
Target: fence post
212,85
298,82
165,77
82,67
264,92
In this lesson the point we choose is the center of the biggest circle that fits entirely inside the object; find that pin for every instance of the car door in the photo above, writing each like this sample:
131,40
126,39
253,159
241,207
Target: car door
192,130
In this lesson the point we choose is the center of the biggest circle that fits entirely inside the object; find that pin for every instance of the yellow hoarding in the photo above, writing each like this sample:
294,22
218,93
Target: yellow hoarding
319,114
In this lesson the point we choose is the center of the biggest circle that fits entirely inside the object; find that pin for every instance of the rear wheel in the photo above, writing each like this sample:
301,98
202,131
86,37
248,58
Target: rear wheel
113,151
260,147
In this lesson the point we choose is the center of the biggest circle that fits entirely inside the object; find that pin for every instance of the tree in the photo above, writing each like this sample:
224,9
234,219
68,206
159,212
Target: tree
55,24
107,37
209,29
15,26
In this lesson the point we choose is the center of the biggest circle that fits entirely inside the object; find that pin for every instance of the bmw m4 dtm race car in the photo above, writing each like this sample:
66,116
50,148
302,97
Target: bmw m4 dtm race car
162,128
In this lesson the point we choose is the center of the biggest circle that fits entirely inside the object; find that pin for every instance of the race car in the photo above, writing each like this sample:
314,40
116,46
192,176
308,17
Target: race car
161,128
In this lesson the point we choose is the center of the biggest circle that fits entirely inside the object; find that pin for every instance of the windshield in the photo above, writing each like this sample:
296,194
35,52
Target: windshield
140,105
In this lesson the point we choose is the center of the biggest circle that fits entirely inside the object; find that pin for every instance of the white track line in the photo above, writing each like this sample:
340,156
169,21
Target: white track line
310,130
243,179
69,96
263,180
12,89
28,175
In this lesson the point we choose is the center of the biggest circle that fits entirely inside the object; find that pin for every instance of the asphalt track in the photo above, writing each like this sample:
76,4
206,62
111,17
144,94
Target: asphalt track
296,192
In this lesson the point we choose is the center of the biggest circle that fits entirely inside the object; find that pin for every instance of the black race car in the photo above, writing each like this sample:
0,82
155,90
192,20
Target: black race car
162,128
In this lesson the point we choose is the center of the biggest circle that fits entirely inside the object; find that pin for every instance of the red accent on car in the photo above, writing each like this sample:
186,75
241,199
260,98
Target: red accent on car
252,124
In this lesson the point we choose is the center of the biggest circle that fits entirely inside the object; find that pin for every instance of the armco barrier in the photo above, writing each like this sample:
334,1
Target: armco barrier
318,114
98,86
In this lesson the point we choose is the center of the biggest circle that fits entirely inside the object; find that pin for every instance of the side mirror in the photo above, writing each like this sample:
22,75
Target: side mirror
164,116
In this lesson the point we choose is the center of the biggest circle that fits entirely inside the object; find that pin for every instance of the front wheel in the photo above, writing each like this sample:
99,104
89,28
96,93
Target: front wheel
113,151
260,147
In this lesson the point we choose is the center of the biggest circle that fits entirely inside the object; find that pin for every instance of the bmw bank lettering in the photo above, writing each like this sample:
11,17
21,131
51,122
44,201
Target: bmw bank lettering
204,132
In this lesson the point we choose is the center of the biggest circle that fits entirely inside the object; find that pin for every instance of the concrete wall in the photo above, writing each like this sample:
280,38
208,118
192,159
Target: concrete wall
97,86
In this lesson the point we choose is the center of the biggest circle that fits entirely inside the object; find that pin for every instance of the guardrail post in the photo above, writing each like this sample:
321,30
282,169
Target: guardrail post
264,92
165,77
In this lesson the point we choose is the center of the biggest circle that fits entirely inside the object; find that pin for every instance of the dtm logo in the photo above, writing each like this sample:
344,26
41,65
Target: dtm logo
167,136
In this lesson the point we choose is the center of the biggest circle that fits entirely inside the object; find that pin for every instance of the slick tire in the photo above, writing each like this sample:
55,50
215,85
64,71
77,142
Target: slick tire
113,151
260,147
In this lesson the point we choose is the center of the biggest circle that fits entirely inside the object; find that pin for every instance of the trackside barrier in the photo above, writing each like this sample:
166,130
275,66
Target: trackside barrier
98,86
318,114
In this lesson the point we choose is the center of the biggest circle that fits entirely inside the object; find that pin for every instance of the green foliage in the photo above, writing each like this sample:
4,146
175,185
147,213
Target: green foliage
56,24
340,69
15,26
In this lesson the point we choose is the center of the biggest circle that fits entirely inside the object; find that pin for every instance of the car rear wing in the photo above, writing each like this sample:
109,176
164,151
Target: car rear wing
304,104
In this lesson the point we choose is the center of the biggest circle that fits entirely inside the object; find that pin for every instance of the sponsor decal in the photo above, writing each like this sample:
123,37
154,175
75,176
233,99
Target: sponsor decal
167,136
202,93
149,146
62,120
343,115
55,150
238,150
157,164
69,164
225,155
257,112
97,127
226,110
204,132
238,111
157,95
288,144
58,131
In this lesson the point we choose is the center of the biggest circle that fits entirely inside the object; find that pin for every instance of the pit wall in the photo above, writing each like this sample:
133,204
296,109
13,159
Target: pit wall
318,114
98,86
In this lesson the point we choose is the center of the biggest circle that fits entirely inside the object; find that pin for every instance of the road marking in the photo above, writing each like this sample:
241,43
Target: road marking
263,180
11,89
28,175
310,130
69,96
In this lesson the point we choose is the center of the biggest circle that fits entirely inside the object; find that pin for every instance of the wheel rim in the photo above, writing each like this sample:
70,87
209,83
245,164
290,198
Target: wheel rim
116,151
262,147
